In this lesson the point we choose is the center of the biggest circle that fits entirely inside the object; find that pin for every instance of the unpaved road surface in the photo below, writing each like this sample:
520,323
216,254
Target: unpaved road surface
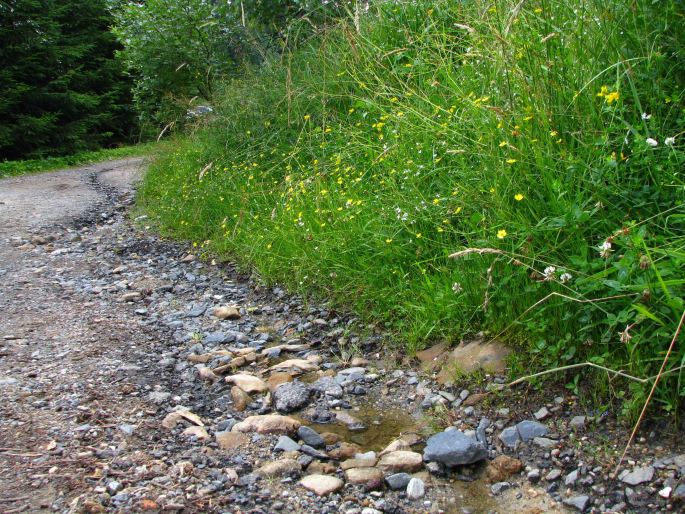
114,399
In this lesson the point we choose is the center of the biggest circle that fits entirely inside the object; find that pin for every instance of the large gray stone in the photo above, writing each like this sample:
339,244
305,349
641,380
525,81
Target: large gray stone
291,396
454,448
578,502
285,444
530,430
637,476
510,437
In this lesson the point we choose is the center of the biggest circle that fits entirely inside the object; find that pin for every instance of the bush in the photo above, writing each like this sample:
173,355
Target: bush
542,142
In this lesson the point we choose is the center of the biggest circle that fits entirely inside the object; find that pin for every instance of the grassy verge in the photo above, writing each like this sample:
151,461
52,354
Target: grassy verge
540,142
14,168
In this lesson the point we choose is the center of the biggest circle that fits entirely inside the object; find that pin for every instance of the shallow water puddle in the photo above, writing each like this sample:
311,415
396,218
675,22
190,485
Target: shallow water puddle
382,427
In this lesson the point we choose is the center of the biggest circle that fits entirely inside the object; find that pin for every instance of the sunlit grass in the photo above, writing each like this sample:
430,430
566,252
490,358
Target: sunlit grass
353,167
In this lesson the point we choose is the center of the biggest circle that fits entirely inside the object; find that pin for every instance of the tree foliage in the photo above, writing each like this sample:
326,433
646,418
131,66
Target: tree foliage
176,51
61,90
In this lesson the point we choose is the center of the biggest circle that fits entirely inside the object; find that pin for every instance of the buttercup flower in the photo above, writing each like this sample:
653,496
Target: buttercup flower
501,234
518,197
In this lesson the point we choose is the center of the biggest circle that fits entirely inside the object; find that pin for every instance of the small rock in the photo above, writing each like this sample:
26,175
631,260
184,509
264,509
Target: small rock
279,468
285,444
579,503
502,467
401,460
499,487
577,423
637,475
311,437
370,478
248,383
544,443
398,481
571,478
665,492
231,440
541,414
227,312
197,432
114,487
510,437
267,424
240,398
321,485
533,476
415,489
553,475
357,463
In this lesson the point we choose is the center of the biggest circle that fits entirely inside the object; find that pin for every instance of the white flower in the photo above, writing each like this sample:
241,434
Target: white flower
652,142
549,272
646,116
456,287
669,141
565,277
605,249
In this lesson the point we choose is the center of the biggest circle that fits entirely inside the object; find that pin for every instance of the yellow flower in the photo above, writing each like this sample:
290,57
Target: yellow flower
388,240
511,161
518,197
612,97
306,117
501,234
418,235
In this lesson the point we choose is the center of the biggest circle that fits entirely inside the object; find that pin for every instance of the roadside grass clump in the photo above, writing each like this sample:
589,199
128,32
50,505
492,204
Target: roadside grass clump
450,167
25,167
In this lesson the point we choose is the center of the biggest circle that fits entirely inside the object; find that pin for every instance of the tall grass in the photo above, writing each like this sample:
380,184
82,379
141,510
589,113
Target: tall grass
549,131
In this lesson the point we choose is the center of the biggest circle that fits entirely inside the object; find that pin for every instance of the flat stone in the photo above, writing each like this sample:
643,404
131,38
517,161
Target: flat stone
401,460
416,489
579,503
231,440
279,468
398,481
637,475
173,418
248,383
197,432
313,452
510,437
528,430
291,396
295,366
267,424
454,448
357,463
571,478
553,475
311,437
544,443
227,312
370,478
468,357
285,444
321,485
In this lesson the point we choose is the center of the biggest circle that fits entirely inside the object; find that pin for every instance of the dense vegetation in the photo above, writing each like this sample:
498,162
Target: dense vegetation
540,142
61,89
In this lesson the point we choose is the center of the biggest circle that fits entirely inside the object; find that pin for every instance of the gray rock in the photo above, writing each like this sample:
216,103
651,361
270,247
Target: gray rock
313,452
454,448
291,396
285,444
328,386
398,481
577,423
553,475
531,429
510,437
498,487
637,476
415,489
679,492
311,437
571,478
579,503
542,414
469,411
544,443
114,487
481,435
533,475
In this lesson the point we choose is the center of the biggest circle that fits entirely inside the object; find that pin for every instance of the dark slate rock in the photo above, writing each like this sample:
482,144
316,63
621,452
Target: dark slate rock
454,448
285,444
311,437
398,481
510,437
